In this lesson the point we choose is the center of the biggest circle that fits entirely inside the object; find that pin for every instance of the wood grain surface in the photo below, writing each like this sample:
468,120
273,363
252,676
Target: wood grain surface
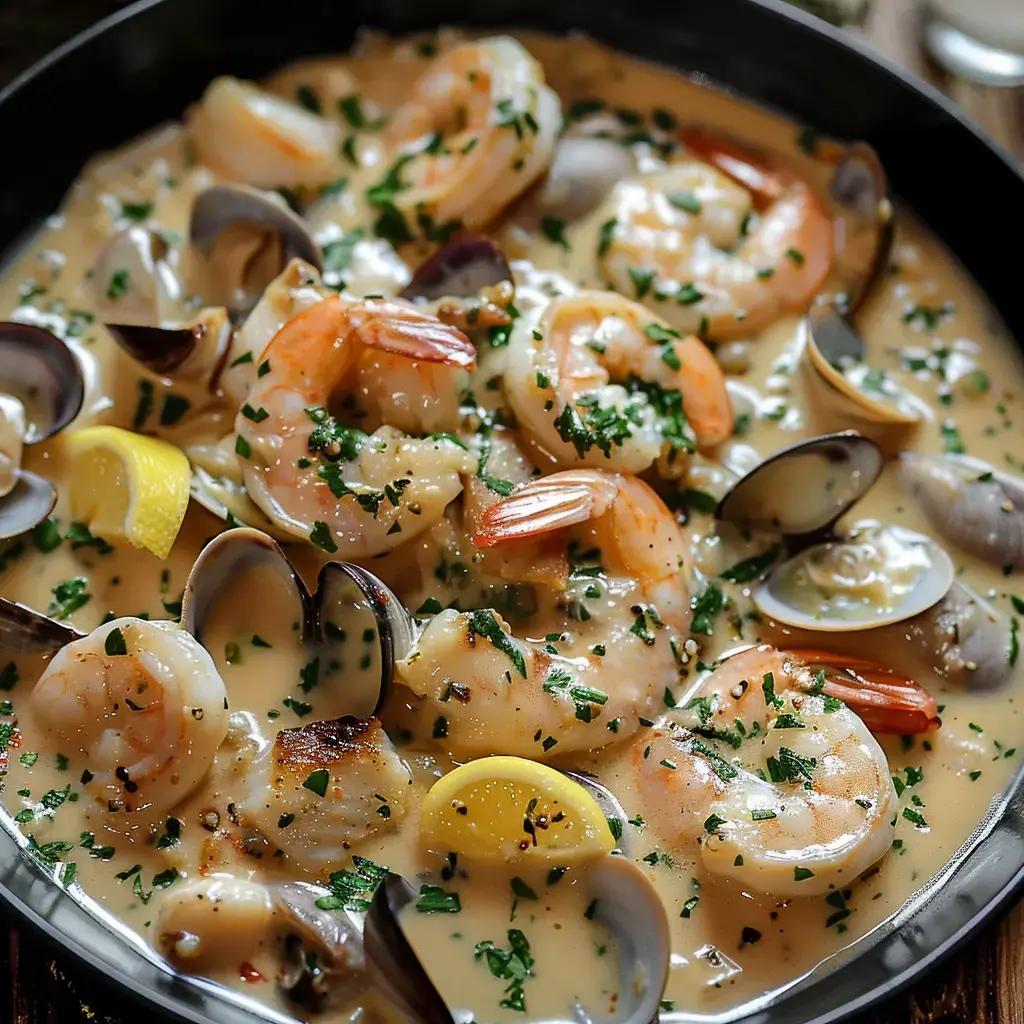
983,984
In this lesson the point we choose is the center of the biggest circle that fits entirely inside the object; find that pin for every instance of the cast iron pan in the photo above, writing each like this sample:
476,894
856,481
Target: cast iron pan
149,62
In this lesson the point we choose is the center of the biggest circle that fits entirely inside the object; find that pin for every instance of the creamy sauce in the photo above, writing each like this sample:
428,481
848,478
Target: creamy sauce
928,330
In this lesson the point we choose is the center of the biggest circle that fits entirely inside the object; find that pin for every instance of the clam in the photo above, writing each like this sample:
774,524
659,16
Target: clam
134,281
849,392
583,172
859,187
801,491
190,351
876,576
967,640
44,374
623,901
244,238
459,269
339,585
41,392
24,631
140,297
228,500
972,504
247,237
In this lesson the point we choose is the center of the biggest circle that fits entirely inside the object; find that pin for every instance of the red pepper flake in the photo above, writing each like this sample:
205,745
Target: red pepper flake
249,974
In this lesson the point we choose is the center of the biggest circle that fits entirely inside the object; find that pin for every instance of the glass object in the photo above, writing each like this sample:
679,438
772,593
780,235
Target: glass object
982,40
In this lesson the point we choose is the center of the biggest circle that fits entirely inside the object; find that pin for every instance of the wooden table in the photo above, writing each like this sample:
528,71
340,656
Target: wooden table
982,985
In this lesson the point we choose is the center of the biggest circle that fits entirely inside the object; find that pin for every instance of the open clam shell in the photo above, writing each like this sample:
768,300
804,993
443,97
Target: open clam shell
845,390
801,491
40,370
247,237
977,507
189,351
859,186
26,505
459,269
391,960
583,172
623,901
25,631
874,578
42,388
229,501
244,549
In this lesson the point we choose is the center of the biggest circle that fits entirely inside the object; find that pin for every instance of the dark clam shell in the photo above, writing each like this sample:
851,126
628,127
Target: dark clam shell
23,630
860,186
236,551
225,206
37,363
396,969
187,351
459,269
803,490
977,507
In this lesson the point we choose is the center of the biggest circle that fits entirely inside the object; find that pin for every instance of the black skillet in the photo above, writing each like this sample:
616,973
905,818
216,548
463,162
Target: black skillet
147,63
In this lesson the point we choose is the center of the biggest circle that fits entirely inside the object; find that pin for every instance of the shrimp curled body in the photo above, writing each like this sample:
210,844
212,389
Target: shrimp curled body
336,485
146,723
499,122
598,380
499,693
718,242
819,813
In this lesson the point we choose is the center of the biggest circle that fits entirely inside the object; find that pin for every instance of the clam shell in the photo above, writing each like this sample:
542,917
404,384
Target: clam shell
237,551
221,207
36,363
771,597
972,504
26,505
835,398
859,185
802,490
459,269
24,631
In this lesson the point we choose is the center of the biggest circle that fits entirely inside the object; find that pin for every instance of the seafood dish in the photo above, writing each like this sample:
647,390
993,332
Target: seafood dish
493,529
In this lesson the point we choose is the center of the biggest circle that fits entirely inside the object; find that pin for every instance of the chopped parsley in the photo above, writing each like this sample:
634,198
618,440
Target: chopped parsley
483,623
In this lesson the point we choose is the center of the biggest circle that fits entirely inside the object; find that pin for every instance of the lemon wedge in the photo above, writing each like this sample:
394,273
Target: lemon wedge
499,809
129,488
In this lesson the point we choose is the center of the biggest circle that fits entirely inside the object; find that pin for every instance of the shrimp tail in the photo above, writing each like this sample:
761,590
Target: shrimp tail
424,339
541,506
735,163
885,701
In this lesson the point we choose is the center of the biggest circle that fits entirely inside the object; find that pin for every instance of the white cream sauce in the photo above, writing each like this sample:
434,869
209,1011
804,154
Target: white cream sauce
927,327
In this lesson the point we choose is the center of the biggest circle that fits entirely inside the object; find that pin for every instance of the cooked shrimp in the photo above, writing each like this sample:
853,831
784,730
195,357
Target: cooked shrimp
335,485
296,288
325,786
718,244
478,130
144,724
500,693
820,808
597,380
253,136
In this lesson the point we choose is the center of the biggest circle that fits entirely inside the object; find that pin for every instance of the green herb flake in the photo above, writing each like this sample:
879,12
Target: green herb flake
316,781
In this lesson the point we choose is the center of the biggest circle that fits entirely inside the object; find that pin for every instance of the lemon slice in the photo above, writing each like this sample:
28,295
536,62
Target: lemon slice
499,809
126,487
